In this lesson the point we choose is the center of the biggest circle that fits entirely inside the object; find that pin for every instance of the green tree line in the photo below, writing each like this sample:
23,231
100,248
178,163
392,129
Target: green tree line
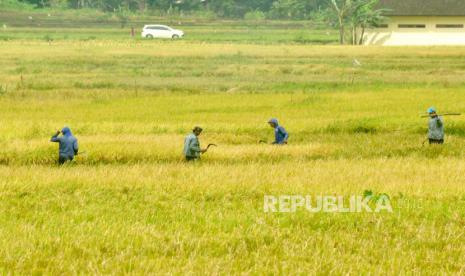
351,17
273,9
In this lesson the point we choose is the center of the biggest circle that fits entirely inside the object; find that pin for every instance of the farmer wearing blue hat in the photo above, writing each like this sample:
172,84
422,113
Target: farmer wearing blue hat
435,127
68,145
280,133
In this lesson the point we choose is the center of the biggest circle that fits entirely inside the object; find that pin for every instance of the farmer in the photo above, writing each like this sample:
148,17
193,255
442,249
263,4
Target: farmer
192,149
280,133
435,127
68,145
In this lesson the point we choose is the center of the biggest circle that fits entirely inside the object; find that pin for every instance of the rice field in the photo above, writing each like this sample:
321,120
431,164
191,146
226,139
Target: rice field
131,205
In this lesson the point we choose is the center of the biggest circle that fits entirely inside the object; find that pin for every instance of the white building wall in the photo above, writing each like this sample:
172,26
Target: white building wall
393,35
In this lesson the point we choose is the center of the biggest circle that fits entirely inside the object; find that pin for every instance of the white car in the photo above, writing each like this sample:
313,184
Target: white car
161,31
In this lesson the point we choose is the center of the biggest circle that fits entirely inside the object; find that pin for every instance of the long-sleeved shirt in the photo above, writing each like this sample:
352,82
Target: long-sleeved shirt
68,145
191,146
436,128
280,135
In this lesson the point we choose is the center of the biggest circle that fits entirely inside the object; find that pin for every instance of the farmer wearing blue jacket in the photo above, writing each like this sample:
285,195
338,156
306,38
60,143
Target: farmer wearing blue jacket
280,133
435,127
68,145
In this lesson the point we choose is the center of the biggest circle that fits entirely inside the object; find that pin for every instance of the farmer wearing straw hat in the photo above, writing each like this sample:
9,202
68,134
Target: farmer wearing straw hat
435,127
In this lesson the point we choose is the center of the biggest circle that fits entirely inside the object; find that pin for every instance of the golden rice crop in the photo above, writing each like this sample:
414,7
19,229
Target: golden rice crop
132,205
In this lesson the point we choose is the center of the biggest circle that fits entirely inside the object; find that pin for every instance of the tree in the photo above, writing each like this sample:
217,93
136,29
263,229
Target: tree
359,14
342,9
368,16
123,15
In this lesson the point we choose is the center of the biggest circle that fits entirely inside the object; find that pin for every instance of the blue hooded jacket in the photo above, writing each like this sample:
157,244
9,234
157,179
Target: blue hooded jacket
280,133
68,143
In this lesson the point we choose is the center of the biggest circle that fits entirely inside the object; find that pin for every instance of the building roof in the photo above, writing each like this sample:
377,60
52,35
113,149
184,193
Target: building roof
424,7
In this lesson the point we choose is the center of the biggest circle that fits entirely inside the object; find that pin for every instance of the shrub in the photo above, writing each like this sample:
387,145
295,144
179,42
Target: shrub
48,38
206,15
255,15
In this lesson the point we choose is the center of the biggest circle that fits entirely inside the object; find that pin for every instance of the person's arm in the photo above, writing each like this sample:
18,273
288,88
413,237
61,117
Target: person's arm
198,149
286,135
275,137
439,122
55,137
75,147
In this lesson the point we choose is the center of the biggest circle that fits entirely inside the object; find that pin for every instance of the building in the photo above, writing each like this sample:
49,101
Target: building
420,22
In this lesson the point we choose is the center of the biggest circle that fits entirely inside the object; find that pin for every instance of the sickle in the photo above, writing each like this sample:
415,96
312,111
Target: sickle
209,145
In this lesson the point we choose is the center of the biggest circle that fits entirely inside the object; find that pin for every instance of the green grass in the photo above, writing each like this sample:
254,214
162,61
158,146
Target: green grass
131,205
207,34
92,25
